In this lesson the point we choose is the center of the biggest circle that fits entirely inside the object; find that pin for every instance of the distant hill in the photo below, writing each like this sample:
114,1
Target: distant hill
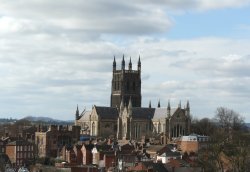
7,121
47,120
248,125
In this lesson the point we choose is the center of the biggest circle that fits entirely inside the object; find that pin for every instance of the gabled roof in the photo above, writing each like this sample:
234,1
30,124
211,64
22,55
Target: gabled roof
107,112
162,112
142,113
85,115
99,147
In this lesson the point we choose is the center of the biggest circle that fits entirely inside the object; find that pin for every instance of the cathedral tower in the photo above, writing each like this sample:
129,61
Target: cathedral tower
126,83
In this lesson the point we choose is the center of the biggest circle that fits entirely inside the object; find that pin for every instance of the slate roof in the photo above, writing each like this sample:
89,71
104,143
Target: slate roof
157,167
137,112
107,112
162,112
142,113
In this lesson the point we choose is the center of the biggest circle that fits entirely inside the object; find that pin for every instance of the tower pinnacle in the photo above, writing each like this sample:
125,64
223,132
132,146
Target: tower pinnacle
123,63
130,64
77,115
139,63
159,104
114,64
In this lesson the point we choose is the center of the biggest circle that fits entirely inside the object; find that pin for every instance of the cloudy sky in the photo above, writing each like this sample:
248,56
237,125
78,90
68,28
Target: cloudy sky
57,54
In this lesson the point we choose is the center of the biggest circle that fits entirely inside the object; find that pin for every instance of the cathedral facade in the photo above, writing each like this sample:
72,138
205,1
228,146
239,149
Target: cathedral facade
126,119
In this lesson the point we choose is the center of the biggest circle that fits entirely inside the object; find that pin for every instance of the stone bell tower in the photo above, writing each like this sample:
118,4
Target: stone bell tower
126,84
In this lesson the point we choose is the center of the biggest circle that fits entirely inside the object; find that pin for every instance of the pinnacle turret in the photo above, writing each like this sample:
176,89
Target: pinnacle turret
114,64
139,63
77,115
179,105
168,109
159,104
130,64
188,107
123,63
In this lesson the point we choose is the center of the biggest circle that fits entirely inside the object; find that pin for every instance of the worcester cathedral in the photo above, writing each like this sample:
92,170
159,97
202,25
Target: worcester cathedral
126,119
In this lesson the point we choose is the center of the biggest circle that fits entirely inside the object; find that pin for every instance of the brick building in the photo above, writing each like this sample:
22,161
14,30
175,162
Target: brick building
20,152
50,142
192,143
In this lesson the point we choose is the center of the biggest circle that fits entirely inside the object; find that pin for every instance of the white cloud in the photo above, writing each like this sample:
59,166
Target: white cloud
56,54
214,4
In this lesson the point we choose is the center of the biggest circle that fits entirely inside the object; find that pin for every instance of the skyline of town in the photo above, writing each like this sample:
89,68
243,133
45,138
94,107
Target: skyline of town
55,55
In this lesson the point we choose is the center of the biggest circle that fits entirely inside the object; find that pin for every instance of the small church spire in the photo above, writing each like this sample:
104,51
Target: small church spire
139,63
188,107
123,63
77,113
159,104
169,105
168,109
179,106
114,64
149,104
130,64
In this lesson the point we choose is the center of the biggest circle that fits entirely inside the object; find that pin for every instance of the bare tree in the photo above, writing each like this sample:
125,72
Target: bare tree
229,119
229,144
203,127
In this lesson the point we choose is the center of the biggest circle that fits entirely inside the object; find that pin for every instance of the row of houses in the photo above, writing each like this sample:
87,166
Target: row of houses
63,143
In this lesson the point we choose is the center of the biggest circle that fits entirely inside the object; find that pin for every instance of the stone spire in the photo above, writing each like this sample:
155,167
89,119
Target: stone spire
188,109
130,64
77,115
159,104
114,64
179,106
123,63
168,109
139,63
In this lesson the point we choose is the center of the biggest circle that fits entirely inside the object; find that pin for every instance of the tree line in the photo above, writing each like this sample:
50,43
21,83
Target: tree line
229,142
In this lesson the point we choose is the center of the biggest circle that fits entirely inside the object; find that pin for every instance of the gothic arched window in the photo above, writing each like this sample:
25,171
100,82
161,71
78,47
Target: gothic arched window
124,130
93,129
